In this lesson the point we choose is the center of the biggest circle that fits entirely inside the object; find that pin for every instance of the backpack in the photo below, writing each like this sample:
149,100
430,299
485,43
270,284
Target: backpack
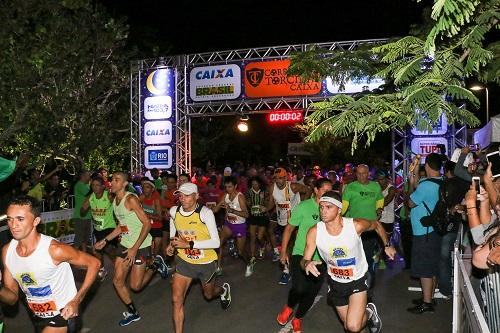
439,218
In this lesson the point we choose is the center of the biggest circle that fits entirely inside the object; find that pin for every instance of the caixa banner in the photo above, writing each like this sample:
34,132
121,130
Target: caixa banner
157,105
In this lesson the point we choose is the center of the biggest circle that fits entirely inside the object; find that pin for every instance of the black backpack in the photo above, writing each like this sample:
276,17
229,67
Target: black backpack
439,218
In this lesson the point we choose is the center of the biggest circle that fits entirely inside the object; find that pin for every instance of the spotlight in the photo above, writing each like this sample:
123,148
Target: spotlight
243,124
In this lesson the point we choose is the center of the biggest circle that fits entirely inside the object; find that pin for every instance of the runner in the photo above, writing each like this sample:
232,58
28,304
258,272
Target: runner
167,201
134,248
183,178
304,288
150,200
258,221
40,266
284,195
100,203
194,242
234,225
339,243
83,224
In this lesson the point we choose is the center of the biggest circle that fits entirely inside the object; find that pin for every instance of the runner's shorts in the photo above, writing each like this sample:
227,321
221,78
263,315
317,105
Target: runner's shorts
57,321
238,230
203,272
156,232
141,256
339,293
260,221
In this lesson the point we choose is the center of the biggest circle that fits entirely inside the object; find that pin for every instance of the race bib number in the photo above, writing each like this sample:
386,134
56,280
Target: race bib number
97,223
284,206
43,309
194,254
123,229
255,210
341,273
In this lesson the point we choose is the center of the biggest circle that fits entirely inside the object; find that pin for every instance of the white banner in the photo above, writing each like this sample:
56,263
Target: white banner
353,86
439,129
157,107
214,83
158,157
427,145
158,132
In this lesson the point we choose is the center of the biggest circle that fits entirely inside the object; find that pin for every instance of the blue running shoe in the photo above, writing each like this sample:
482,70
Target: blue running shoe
284,279
129,318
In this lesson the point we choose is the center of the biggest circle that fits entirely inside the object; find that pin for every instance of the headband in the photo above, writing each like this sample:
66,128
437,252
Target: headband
332,201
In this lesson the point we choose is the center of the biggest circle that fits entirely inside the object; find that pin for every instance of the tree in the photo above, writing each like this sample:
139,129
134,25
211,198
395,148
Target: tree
424,75
64,73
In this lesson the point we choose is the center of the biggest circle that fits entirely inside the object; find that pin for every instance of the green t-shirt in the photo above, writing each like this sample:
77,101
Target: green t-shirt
80,191
305,215
362,200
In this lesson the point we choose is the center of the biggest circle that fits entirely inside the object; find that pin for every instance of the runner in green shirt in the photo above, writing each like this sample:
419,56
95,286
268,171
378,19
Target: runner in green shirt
305,288
82,222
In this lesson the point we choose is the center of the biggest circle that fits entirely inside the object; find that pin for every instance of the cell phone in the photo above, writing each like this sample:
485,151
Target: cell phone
477,183
494,159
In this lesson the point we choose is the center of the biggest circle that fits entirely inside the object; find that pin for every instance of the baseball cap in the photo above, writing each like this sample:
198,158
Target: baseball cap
187,189
280,172
227,171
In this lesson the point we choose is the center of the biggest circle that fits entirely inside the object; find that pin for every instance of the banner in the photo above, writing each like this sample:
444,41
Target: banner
353,86
427,145
158,118
269,79
440,128
215,83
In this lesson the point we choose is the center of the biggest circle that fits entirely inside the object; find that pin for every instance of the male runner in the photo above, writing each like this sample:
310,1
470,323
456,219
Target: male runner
339,243
100,203
304,288
40,265
194,240
134,248
284,195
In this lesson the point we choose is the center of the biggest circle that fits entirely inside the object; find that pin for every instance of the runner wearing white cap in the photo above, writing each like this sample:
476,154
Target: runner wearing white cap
339,244
194,241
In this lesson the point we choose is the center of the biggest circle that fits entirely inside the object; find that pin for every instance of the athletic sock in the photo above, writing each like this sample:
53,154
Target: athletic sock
131,308
276,250
286,270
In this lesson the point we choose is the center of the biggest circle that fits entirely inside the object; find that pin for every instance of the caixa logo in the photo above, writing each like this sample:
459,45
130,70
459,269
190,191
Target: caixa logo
158,132
158,157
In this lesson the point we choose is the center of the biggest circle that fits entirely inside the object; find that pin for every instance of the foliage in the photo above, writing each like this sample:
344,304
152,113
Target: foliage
424,76
64,79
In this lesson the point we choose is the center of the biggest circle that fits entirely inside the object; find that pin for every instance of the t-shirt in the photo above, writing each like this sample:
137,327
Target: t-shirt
80,191
362,200
305,215
426,191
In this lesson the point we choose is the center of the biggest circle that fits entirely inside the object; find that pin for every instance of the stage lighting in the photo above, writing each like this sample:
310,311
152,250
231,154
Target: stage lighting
243,124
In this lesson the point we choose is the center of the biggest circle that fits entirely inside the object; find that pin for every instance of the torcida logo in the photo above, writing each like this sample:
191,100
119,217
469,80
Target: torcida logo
270,79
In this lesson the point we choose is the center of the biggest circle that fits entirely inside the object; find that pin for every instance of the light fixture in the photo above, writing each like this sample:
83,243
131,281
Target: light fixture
243,123
478,87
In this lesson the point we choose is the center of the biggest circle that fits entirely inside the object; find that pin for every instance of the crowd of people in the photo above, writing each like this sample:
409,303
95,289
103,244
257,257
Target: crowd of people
319,225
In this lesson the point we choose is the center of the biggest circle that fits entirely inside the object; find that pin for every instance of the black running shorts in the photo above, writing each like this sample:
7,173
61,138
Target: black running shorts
339,293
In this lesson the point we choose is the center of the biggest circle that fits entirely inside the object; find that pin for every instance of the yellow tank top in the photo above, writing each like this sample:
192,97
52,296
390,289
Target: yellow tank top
192,228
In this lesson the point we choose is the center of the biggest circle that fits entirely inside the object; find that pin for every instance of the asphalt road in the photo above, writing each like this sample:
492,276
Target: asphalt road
255,303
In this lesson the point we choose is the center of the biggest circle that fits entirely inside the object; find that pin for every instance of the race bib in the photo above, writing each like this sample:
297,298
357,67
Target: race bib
123,229
284,205
255,210
194,254
42,308
341,273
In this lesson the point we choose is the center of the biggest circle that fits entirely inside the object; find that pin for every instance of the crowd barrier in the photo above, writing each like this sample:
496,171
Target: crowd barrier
471,315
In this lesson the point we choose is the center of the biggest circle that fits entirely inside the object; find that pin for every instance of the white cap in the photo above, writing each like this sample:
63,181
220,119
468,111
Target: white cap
187,189
227,171
456,155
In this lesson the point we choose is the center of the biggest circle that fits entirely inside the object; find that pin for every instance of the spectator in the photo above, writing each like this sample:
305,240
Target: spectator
82,222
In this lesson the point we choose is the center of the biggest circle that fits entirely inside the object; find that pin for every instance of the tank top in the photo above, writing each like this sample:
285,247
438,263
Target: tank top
36,192
388,212
255,200
234,204
130,225
102,212
285,201
48,287
148,204
192,228
343,253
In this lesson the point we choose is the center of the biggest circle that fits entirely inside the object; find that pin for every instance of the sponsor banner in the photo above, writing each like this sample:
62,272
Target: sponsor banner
440,128
157,105
298,149
158,132
215,83
353,86
269,79
427,145
160,157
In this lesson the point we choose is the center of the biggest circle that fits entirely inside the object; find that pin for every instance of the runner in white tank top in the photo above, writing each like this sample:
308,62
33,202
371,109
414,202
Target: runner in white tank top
234,225
339,245
40,266
284,196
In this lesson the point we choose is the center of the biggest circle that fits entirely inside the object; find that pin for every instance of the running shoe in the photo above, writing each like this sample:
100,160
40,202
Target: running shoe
225,297
129,318
285,315
422,308
419,301
101,275
276,256
284,279
374,322
297,325
250,267
161,266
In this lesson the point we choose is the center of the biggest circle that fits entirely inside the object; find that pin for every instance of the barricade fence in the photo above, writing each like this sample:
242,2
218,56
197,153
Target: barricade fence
470,314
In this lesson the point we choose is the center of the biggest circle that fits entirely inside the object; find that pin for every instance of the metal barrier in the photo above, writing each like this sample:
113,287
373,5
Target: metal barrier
468,316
